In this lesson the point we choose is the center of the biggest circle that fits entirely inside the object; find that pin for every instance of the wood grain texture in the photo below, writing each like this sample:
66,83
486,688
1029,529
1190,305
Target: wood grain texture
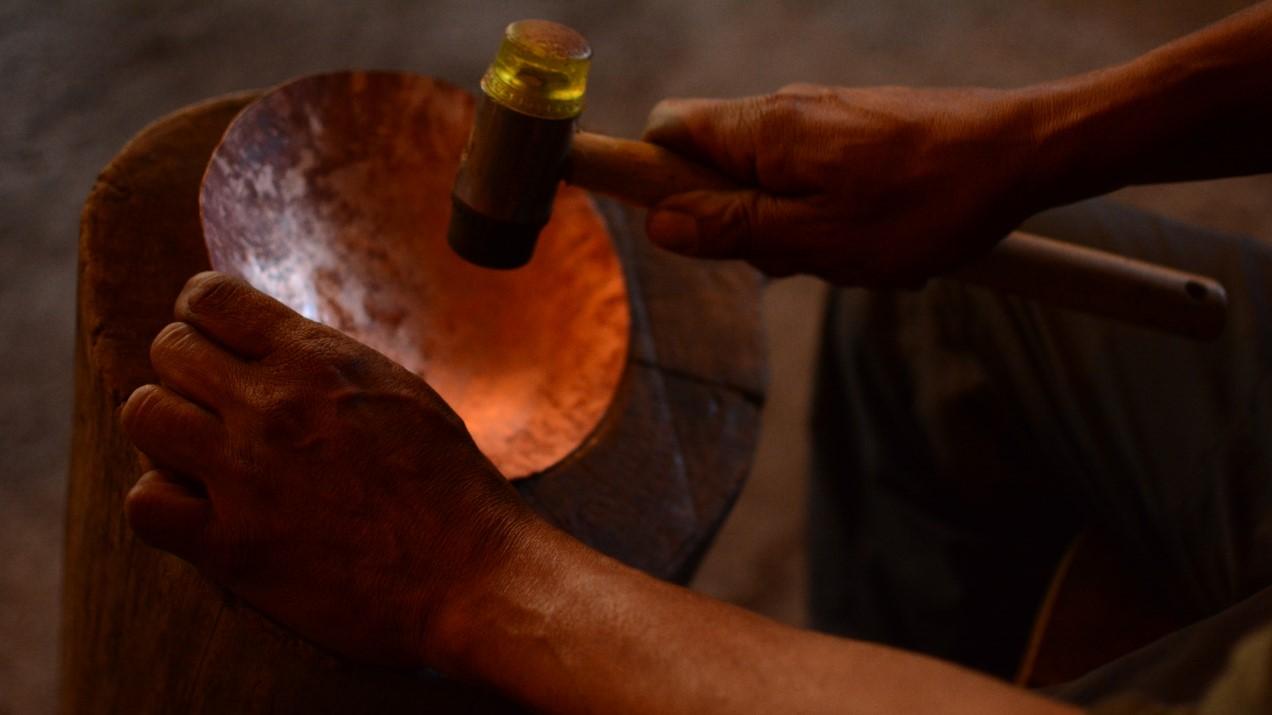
144,632
635,171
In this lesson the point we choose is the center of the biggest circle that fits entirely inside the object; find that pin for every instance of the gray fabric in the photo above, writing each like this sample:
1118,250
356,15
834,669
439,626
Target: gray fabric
962,438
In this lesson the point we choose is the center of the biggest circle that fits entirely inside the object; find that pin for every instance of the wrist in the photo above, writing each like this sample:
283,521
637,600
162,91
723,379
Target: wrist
1102,131
1024,147
1080,141
1192,109
464,634
1055,120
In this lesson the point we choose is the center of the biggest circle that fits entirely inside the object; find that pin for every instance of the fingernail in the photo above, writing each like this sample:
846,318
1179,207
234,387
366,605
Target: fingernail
673,230
663,118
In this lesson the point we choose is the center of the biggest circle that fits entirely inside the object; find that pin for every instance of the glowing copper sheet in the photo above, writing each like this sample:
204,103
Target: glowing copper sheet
332,193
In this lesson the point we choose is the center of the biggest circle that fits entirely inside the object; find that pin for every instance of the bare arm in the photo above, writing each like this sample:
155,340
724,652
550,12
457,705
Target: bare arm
1197,108
891,185
335,491
582,633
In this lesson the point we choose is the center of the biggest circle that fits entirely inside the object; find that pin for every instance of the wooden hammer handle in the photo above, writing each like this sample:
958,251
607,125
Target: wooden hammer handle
1102,283
1060,274
636,172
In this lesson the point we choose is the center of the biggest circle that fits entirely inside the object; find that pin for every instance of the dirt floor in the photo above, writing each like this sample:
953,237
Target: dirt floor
82,76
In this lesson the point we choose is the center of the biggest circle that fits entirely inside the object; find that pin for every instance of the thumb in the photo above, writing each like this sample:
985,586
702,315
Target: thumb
722,224
720,133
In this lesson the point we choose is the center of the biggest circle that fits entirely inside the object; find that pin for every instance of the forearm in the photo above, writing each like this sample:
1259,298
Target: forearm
581,633
1197,108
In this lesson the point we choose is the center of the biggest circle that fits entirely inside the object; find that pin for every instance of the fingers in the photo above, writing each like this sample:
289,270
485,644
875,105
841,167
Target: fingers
168,515
722,133
197,368
750,225
668,123
236,315
173,431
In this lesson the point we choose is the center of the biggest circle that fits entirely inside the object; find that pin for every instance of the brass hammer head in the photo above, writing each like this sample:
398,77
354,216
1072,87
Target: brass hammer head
508,174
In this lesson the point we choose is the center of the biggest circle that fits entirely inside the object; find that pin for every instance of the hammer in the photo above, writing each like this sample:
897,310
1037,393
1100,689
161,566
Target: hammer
524,141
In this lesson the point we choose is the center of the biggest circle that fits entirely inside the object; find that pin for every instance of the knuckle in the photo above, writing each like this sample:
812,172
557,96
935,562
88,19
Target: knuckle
355,365
772,122
210,292
285,416
170,340
275,402
741,221
299,355
327,355
139,407
781,110
298,338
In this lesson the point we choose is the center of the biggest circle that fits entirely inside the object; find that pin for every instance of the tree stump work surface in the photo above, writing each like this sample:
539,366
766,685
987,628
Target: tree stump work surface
143,632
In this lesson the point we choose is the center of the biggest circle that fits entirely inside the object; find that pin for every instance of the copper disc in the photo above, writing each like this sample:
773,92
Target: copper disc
332,193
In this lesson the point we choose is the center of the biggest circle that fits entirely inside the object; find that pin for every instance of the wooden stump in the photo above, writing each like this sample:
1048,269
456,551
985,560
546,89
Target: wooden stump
144,632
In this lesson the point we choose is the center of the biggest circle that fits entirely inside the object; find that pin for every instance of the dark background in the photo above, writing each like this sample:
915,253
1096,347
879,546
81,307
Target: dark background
80,77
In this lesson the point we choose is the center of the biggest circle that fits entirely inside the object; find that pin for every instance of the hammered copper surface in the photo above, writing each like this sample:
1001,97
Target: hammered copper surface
332,193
